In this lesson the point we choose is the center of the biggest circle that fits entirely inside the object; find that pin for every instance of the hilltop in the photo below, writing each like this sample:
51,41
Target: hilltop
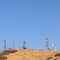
27,54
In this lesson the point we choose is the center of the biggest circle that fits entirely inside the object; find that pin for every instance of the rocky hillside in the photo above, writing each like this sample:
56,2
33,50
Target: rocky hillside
27,54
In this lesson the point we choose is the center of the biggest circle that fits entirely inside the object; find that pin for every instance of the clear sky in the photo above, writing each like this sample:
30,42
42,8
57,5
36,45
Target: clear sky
31,21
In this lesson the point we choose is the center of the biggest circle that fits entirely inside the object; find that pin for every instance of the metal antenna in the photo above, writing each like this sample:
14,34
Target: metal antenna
24,45
54,46
5,44
14,43
47,43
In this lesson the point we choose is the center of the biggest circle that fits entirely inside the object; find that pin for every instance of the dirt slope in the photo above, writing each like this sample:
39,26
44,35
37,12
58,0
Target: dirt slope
26,54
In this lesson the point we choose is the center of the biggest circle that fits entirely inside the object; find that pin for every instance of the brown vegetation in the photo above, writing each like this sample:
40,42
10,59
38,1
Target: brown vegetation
26,54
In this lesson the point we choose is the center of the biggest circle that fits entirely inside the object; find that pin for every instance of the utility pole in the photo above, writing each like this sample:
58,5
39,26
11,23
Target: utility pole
24,45
5,44
47,43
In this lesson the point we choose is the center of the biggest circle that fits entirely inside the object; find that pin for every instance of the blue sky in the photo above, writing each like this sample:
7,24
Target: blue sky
31,21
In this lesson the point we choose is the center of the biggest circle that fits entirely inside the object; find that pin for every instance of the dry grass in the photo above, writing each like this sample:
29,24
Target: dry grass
26,54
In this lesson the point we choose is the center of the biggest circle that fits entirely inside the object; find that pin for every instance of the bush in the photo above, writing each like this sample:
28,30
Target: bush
58,54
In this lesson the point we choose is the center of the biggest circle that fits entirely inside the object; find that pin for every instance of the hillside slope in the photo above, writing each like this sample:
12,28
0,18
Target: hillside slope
26,54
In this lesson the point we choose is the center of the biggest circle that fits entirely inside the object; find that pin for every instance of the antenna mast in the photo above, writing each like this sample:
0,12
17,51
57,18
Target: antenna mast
24,45
14,43
47,43
5,44
54,46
